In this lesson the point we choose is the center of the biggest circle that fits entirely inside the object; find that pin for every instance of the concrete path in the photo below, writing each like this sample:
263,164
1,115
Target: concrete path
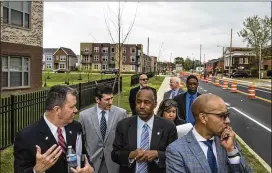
163,88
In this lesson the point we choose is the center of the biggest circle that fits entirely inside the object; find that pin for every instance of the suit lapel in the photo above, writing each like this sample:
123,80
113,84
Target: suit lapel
132,133
168,94
47,136
156,134
220,155
184,104
197,151
95,121
111,119
71,135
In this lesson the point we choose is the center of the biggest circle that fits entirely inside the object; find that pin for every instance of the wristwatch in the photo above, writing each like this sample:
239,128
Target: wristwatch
233,153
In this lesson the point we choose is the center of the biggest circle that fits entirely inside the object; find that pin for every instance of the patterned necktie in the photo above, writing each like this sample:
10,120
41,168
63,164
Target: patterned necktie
103,125
142,166
61,141
173,94
190,118
210,156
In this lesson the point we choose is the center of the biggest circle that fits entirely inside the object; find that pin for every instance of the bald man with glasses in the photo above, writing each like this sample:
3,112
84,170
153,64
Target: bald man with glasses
210,146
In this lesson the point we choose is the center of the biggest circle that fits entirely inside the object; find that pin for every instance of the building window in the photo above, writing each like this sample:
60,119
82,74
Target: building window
112,49
124,67
96,49
132,67
48,57
112,58
124,50
246,61
104,66
17,13
96,66
15,71
86,58
86,67
133,50
62,58
132,58
105,58
86,50
105,50
96,58
124,58
61,66
240,60
48,66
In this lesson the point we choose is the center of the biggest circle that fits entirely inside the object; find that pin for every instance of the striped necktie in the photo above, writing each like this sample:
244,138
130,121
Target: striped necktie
142,166
61,141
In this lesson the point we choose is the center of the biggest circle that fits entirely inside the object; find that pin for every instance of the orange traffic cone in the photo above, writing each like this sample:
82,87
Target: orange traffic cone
234,86
210,79
225,84
217,82
251,91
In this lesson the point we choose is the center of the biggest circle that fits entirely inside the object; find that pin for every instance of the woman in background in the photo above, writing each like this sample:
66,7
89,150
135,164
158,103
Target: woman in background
168,110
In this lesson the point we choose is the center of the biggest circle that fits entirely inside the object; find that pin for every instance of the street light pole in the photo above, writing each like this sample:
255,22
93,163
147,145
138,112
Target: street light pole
230,50
260,57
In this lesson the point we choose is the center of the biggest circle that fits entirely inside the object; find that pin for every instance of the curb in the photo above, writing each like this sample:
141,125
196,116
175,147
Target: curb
262,162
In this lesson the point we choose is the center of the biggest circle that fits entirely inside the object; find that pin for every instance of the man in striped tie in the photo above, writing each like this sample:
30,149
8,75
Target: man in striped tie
140,141
41,147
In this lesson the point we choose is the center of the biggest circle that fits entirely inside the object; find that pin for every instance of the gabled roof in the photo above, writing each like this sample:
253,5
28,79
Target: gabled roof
67,51
49,50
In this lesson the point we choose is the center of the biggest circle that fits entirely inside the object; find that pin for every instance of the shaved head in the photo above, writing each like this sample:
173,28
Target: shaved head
207,103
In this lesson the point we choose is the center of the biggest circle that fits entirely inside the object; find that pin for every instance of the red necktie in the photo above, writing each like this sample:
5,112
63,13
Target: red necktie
61,140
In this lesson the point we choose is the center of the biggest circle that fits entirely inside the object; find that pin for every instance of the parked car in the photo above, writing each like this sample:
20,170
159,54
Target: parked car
240,74
61,71
110,71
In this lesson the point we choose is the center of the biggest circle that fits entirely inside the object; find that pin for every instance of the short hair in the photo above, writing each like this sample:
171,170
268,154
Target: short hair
165,105
148,88
102,89
191,77
177,79
57,96
143,74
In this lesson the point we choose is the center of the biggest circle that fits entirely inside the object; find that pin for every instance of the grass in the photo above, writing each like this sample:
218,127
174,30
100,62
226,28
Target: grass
6,158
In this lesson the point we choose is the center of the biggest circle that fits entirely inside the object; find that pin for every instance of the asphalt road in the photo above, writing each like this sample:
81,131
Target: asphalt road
250,119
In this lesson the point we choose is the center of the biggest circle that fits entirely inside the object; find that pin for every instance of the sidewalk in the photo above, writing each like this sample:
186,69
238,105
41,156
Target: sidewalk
163,88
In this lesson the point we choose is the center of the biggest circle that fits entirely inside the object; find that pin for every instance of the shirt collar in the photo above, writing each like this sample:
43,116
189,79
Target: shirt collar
149,122
194,95
100,110
198,137
51,126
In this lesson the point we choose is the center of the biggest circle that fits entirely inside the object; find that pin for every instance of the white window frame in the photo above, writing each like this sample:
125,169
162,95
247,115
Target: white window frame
246,61
62,57
113,49
104,66
133,48
132,68
112,58
47,66
86,58
96,49
132,57
48,57
8,69
241,61
124,59
105,58
124,50
96,58
62,64
96,66
105,49
86,50
124,67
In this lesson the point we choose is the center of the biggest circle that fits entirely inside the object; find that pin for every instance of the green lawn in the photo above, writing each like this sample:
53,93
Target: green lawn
6,159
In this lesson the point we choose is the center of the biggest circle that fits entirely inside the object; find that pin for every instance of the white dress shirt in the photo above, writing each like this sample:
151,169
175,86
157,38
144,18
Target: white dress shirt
99,113
54,129
204,147
140,124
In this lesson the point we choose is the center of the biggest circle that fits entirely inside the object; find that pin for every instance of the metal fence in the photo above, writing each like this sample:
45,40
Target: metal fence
134,80
19,111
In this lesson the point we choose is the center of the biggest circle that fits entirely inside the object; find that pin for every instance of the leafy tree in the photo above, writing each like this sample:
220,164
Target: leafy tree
179,60
188,63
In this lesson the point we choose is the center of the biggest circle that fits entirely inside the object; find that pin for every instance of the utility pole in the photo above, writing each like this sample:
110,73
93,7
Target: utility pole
120,62
260,57
230,50
200,54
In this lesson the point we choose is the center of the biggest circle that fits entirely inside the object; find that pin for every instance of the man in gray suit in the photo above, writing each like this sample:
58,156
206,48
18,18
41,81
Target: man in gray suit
175,89
210,147
99,123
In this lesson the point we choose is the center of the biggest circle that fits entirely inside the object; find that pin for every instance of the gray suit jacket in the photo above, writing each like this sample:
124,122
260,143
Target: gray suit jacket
186,156
167,94
91,131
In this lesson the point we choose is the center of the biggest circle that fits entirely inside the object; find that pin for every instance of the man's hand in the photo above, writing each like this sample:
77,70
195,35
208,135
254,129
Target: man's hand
227,139
87,168
136,154
149,155
48,159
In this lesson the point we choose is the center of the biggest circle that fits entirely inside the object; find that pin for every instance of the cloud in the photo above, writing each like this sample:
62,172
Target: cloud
181,26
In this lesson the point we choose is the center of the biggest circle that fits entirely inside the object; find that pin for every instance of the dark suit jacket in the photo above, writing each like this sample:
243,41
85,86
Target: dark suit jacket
181,100
168,93
132,98
40,134
163,133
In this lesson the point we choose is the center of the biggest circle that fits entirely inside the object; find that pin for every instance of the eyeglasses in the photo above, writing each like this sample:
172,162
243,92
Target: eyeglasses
169,103
223,115
145,79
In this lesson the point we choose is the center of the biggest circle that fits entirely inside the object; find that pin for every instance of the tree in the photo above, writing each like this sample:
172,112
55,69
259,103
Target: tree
256,33
188,64
196,63
179,60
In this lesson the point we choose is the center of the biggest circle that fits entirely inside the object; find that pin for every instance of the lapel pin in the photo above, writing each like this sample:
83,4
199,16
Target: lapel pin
46,137
158,133
70,132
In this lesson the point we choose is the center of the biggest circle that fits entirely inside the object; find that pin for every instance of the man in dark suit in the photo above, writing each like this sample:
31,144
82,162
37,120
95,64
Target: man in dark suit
143,81
175,89
42,146
185,100
140,141
210,147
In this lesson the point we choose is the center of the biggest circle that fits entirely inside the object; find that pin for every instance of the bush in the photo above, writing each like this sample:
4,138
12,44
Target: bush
269,72
253,71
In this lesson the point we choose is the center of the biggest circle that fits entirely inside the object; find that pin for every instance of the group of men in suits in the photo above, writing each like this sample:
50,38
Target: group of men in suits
142,143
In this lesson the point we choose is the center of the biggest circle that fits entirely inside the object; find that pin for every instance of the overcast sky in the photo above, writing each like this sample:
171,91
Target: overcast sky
180,26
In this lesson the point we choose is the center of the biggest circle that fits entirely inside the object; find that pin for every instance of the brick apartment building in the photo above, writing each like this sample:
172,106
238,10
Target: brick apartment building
102,56
21,45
